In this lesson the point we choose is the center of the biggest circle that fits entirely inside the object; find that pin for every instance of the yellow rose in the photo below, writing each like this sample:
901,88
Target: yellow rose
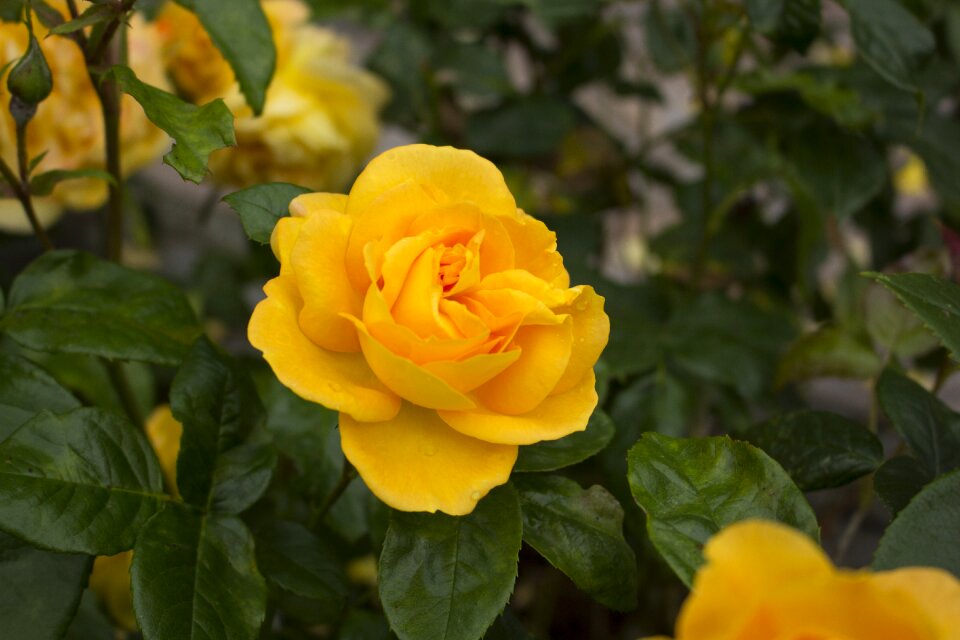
68,125
911,179
110,578
320,118
437,318
765,581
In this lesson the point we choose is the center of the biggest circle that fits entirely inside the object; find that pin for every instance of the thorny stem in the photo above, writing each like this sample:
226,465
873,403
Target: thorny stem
346,477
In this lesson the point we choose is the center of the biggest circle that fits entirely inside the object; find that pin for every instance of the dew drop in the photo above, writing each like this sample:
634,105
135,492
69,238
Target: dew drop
475,495
430,450
336,387
582,305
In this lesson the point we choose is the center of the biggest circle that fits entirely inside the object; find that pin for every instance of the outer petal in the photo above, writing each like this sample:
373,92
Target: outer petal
302,206
284,236
454,175
591,330
557,416
14,220
934,590
318,263
408,380
415,462
341,381
544,353
746,562
535,247
163,432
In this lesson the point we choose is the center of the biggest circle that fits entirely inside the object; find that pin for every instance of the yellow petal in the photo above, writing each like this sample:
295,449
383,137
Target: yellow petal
282,240
415,462
303,205
934,590
14,220
163,432
110,580
455,175
744,563
408,380
535,248
555,417
466,375
318,263
591,330
340,381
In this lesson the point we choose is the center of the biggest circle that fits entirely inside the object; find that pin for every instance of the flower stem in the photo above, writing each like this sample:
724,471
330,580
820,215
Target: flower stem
346,477
21,187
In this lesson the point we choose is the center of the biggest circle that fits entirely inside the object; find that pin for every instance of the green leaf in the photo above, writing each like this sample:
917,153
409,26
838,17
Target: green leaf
794,22
253,55
581,533
94,14
928,426
84,481
25,390
821,94
11,10
692,488
294,560
41,591
899,479
935,300
195,576
819,450
90,623
74,302
894,327
828,352
891,39
219,468
262,205
43,184
924,534
448,578
574,448
197,131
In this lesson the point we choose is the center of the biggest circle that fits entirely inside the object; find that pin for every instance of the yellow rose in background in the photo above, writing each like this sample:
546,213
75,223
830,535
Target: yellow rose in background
320,118
68,125
437,318
110,578
766,581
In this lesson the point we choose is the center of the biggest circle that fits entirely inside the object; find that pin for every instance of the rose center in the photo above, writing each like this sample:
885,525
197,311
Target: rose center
452,261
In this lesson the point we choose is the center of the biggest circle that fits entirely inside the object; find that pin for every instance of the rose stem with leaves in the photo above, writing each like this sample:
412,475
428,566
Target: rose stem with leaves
346,477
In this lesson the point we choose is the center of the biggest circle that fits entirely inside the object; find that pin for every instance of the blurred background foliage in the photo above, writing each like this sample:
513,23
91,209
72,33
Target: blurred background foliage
721,171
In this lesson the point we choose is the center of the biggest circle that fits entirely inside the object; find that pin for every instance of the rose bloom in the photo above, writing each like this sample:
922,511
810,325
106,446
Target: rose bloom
320,118
68,125
110,579
766,581
437,318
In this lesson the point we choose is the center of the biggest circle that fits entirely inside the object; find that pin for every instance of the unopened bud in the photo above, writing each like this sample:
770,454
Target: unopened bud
30,80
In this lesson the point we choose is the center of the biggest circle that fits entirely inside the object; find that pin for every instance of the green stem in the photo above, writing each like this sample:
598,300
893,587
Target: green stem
346,477
120,382
109,94
21,187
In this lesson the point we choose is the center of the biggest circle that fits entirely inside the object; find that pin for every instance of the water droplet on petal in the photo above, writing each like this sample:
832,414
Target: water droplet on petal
336,387
582,305
475,495
430,450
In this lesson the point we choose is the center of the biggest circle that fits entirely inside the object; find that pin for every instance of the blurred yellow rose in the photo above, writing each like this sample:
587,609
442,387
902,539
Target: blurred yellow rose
68,125
320,118
437,318
911,179
110,579
765,581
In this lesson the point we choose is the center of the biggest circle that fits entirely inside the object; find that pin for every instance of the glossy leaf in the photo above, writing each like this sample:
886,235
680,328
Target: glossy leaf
74,302
692,488
935,300
197,131
924,533
253,56
891,39
41,589
448,578
795,22
581,533
219,468
574,448
818,449
928,426
262,205
25,390
828,352
195,576
84,481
